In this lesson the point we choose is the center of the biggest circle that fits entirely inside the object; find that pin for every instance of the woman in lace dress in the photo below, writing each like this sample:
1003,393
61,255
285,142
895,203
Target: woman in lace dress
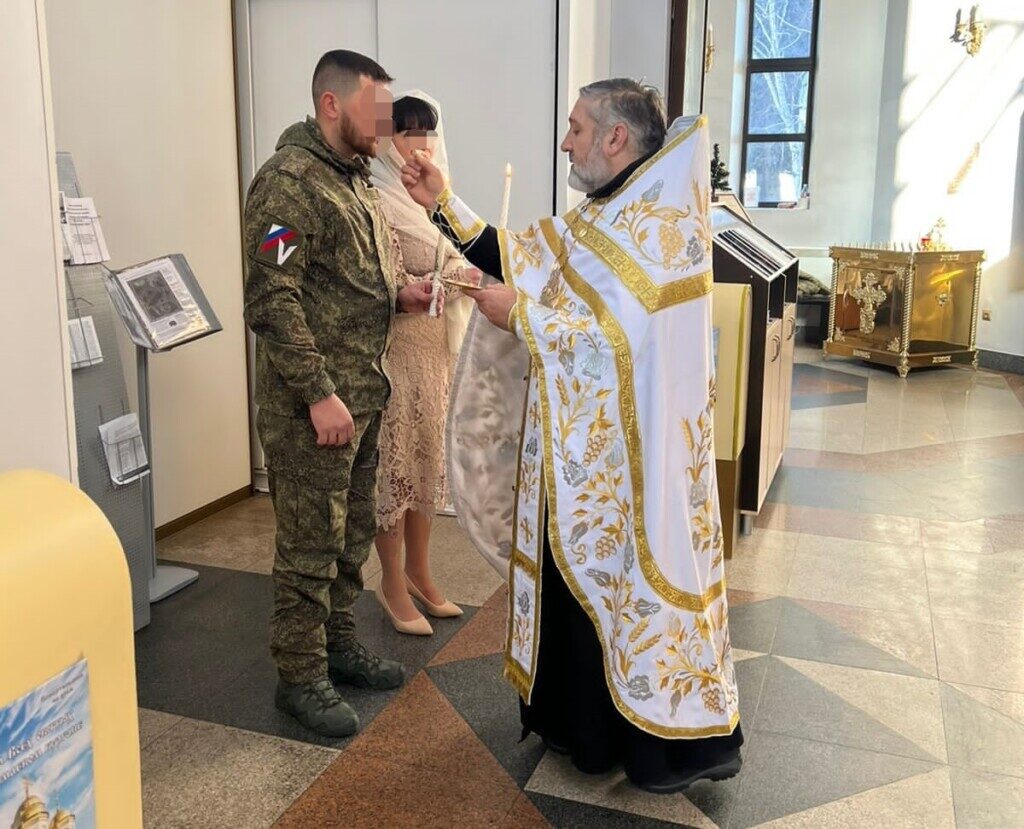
410,477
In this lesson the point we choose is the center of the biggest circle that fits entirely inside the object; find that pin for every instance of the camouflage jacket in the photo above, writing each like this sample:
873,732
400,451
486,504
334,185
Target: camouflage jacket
319,291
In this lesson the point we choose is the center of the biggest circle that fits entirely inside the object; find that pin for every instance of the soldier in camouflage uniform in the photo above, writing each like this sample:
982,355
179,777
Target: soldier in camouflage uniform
320,296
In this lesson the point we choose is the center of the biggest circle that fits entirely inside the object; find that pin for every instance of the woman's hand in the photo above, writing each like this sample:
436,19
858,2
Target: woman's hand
423,181
415,297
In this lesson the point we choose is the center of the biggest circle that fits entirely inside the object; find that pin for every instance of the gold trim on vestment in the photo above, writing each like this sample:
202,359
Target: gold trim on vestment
694,602
652,296
654,159
506,267
557,551
464,234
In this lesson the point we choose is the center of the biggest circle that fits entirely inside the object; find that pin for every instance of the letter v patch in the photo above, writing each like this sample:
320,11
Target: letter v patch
279,245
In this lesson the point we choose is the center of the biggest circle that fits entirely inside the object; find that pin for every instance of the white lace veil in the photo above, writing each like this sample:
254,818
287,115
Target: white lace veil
408,217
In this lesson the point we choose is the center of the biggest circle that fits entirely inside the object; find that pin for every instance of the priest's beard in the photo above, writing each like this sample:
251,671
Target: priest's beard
592,175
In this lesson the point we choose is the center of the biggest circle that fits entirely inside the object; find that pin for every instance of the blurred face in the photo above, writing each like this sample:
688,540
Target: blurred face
358,121
409,141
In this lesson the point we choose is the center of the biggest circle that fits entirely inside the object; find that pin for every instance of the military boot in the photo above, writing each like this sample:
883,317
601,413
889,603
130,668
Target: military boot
355,665
318,707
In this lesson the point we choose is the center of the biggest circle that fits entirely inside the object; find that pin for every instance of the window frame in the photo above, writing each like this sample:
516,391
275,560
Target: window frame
762,66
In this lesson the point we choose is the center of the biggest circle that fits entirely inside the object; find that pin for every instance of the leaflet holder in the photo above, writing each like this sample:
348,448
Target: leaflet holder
163,307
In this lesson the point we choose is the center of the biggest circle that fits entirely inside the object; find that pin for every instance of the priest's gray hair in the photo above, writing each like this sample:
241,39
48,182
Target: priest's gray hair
625,101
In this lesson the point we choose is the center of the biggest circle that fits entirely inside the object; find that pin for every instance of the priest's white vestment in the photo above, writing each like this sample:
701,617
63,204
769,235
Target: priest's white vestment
611,454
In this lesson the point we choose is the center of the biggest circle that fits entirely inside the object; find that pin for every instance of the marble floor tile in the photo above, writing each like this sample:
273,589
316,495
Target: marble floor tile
490,706
969,536
889,529
572,813
524,815
987,597
762,570
980,737
820,459
921,802
418,765
856,581
483,635
752,626
152,724
221,542
979,449
909,706
556,776
858,637
1006,703
1009,563
765,539
206,654
979,653
800,699
196,770
987,801
812,774
889,555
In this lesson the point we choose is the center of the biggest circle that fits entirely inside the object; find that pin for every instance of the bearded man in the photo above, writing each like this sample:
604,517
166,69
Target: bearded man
320,297
618,638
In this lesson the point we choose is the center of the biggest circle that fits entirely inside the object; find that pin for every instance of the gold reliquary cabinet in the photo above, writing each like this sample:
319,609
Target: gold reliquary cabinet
905,309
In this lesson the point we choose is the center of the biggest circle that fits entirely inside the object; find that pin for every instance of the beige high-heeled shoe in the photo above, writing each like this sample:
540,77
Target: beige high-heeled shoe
448,610
417,627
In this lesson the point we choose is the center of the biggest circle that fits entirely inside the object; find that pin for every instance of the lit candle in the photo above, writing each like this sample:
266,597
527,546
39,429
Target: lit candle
503,221
711,37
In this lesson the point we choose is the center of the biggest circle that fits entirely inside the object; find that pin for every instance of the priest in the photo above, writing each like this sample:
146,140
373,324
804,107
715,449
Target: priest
618,636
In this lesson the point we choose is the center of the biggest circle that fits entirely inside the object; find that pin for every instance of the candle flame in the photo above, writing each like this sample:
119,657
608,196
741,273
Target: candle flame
508,169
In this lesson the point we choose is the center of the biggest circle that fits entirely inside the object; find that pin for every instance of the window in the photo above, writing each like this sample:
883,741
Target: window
781,56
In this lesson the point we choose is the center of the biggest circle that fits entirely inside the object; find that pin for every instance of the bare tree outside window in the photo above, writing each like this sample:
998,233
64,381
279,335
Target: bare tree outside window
780,89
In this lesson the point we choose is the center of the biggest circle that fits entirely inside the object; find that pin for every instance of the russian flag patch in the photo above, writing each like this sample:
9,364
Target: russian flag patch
279,244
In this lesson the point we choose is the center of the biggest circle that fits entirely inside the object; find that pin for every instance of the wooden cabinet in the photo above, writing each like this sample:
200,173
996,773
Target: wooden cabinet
743,254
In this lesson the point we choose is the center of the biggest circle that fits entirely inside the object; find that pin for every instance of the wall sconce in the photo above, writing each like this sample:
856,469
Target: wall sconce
709,49
969,34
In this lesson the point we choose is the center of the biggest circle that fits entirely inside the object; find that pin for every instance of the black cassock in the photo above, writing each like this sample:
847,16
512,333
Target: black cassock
571,707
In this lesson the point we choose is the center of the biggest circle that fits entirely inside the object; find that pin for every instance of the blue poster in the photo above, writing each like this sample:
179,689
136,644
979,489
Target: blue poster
46,776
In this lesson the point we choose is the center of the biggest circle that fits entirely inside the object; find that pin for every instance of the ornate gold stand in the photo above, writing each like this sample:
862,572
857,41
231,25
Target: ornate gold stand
905,309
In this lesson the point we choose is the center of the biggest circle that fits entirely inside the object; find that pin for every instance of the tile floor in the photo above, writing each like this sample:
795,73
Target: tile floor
877,613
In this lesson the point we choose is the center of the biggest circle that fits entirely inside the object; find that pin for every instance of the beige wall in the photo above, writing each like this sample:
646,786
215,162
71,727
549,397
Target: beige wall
938,106
36,420
144,99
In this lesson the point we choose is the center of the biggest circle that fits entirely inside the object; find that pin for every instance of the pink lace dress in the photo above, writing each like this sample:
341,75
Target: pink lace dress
410,472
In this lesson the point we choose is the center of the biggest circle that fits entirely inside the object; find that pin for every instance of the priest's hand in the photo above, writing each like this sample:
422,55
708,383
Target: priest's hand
495,303
423,181
415,298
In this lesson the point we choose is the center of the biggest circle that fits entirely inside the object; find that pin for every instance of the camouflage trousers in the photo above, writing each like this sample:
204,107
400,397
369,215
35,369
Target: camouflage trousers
324,535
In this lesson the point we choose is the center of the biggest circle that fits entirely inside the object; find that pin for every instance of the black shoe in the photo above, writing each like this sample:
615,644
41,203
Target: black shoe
355,665
317,706
676,783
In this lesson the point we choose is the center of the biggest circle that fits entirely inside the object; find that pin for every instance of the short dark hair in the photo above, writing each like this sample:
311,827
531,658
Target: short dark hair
627,101
412,113
339,71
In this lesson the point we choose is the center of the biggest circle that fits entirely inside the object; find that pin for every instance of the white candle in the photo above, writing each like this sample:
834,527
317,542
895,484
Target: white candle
436,283
503,221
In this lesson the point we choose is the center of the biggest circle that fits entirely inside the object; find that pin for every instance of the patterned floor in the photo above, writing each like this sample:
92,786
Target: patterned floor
877,609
